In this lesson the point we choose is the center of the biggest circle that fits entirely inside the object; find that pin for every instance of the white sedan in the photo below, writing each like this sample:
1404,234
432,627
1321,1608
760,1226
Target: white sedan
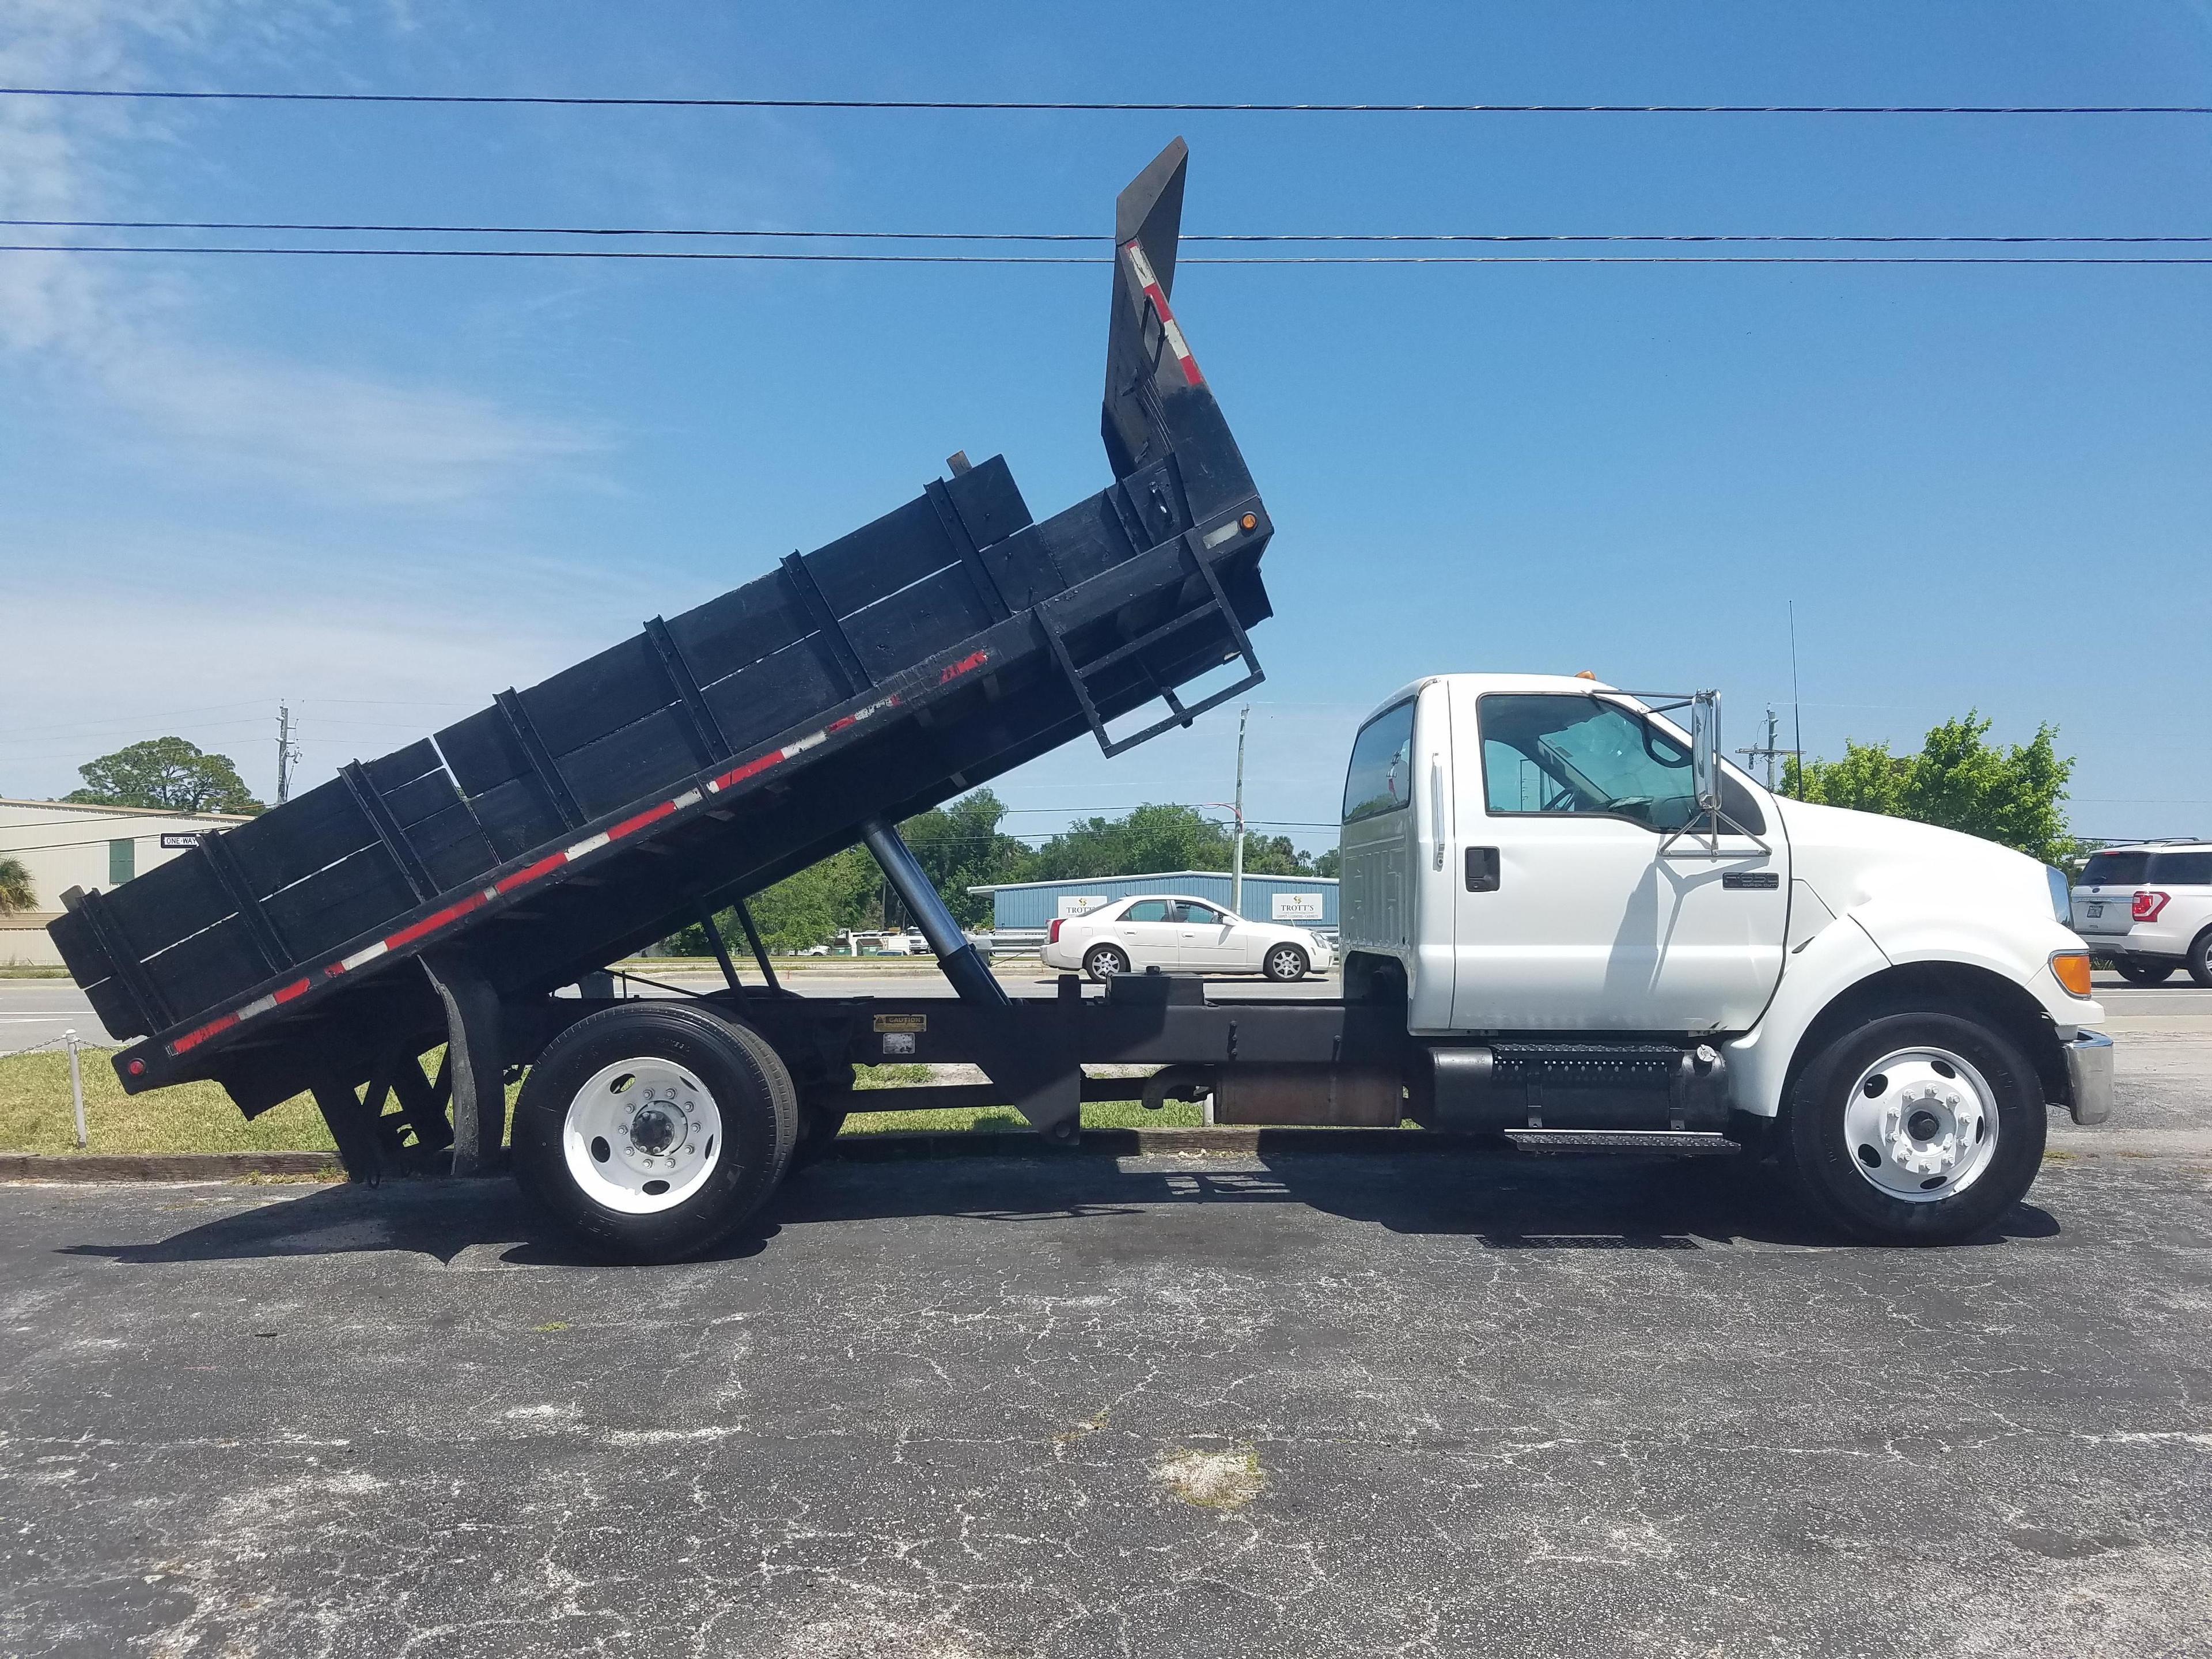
1180,935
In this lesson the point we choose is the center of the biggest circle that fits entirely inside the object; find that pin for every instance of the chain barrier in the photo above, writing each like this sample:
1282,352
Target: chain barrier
67,1040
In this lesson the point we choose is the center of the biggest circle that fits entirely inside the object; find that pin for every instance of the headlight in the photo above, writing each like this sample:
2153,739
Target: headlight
2062,895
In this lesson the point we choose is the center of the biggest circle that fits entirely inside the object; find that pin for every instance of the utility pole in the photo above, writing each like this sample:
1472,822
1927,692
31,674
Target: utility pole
1770,753
1797,704
1236,868
287,752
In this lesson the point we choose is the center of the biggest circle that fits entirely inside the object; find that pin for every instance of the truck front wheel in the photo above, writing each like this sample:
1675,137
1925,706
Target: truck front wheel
1915,1128
648,1132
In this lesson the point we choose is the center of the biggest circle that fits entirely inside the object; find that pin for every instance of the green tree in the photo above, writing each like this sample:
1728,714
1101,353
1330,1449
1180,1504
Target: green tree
1329,864
1957,781
961,846
1150,838
15,892
167,773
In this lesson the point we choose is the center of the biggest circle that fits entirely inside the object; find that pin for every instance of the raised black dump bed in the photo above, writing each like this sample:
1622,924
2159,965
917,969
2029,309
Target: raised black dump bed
571,823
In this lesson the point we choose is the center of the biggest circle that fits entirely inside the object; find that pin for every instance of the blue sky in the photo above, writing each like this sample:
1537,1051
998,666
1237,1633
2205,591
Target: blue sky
384,489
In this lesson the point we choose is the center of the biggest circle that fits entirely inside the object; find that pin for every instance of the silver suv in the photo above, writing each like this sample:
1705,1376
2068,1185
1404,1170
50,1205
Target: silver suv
2150,909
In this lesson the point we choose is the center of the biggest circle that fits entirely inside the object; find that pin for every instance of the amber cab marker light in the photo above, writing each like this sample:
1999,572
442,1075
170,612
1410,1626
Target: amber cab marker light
1251,521
2072,970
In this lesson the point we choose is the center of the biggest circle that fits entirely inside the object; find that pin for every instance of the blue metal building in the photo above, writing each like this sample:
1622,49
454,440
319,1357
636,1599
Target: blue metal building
1299,900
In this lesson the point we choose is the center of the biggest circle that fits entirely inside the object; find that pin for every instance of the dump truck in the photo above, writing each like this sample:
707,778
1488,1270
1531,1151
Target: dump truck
1567,921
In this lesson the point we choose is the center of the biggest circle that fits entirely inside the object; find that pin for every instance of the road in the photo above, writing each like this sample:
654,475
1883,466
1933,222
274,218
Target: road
976,1410
33,1011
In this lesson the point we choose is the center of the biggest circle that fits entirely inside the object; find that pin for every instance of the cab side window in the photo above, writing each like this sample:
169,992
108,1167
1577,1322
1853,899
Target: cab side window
1380,778
1553,752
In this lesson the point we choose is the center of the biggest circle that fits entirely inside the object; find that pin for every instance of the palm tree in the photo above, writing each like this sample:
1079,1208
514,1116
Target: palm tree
15,886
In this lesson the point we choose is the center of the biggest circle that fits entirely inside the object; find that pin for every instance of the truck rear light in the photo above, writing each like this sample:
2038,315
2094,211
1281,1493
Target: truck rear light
1052,935
2071,969
2149,903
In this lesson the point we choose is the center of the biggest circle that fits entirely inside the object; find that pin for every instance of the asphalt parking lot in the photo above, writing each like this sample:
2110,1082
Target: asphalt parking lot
1303,1404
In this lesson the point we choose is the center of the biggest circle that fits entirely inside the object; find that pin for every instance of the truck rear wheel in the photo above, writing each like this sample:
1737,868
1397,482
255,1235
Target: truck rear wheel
648,1132
1915,1128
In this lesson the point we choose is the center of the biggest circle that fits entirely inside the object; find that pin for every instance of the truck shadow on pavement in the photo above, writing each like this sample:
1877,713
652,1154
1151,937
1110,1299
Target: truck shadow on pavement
1502,1202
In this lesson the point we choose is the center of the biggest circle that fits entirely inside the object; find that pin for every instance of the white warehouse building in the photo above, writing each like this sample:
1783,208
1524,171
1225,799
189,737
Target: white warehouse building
62,845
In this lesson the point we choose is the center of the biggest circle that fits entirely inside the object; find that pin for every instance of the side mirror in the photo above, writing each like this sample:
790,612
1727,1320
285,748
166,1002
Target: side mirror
1706,749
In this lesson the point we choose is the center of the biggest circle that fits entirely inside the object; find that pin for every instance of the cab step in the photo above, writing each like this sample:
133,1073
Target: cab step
1691,1141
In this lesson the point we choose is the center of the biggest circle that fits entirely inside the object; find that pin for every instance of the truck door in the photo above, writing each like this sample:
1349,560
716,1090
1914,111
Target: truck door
1567,915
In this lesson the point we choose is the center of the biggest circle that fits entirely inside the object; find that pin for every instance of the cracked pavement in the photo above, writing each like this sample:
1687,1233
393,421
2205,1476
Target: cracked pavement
1443,1405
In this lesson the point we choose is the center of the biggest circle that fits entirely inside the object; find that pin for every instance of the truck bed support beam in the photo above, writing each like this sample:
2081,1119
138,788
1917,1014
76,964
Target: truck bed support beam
962,963
475,1062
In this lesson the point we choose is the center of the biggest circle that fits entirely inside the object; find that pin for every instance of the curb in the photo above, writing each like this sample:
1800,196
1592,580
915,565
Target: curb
895,1146
165,1166
898,1147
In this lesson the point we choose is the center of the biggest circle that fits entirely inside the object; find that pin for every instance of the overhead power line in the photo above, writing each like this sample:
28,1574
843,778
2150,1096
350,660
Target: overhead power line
1090,105
784,257
1362,237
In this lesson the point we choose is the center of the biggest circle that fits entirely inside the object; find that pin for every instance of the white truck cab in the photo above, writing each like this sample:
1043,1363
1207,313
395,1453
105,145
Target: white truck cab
1539,858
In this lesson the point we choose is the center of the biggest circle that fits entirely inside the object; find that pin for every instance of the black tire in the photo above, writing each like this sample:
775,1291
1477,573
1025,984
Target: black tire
1285,964
1820,1163
2199,960
1103,961
2143,970
750,1090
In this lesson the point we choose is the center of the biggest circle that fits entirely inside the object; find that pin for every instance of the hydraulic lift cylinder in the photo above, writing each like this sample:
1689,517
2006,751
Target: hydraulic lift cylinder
964,964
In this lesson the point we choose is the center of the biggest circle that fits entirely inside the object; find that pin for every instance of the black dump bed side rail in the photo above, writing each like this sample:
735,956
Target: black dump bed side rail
575,822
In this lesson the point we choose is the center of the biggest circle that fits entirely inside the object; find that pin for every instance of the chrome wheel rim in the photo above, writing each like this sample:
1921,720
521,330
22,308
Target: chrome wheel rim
1105,964
1920,1125
641,1136
1286,962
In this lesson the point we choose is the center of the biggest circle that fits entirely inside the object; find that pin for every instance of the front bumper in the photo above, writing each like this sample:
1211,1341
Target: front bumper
2089,1076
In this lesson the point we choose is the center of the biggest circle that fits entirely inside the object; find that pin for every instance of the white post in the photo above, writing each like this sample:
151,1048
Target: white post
76,1085
1236,868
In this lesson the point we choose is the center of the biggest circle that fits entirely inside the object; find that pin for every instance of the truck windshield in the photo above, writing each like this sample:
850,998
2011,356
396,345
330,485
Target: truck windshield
1380,778
1551,752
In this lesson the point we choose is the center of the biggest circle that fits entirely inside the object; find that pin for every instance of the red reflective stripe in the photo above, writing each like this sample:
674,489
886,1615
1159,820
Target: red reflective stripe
297,988
751,768
530,872
651,814
841,723
967,664
193,1039
433,922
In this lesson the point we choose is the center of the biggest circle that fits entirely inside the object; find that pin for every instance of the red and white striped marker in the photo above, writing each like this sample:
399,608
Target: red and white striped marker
1140,267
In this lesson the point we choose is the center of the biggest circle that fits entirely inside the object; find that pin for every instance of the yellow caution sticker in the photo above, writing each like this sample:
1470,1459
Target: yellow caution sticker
902,1022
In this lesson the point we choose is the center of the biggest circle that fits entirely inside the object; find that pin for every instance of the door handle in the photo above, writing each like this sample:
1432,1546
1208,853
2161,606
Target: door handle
1482,869
1437,809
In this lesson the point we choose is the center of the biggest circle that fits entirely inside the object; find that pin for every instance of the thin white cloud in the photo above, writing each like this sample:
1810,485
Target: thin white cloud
127,338
365,677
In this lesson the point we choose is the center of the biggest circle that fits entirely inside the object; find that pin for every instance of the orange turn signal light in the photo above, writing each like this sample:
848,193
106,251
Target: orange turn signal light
2071,969
1251,521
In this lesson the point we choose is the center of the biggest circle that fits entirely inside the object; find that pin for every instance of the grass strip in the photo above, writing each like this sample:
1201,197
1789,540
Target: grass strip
198,1117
